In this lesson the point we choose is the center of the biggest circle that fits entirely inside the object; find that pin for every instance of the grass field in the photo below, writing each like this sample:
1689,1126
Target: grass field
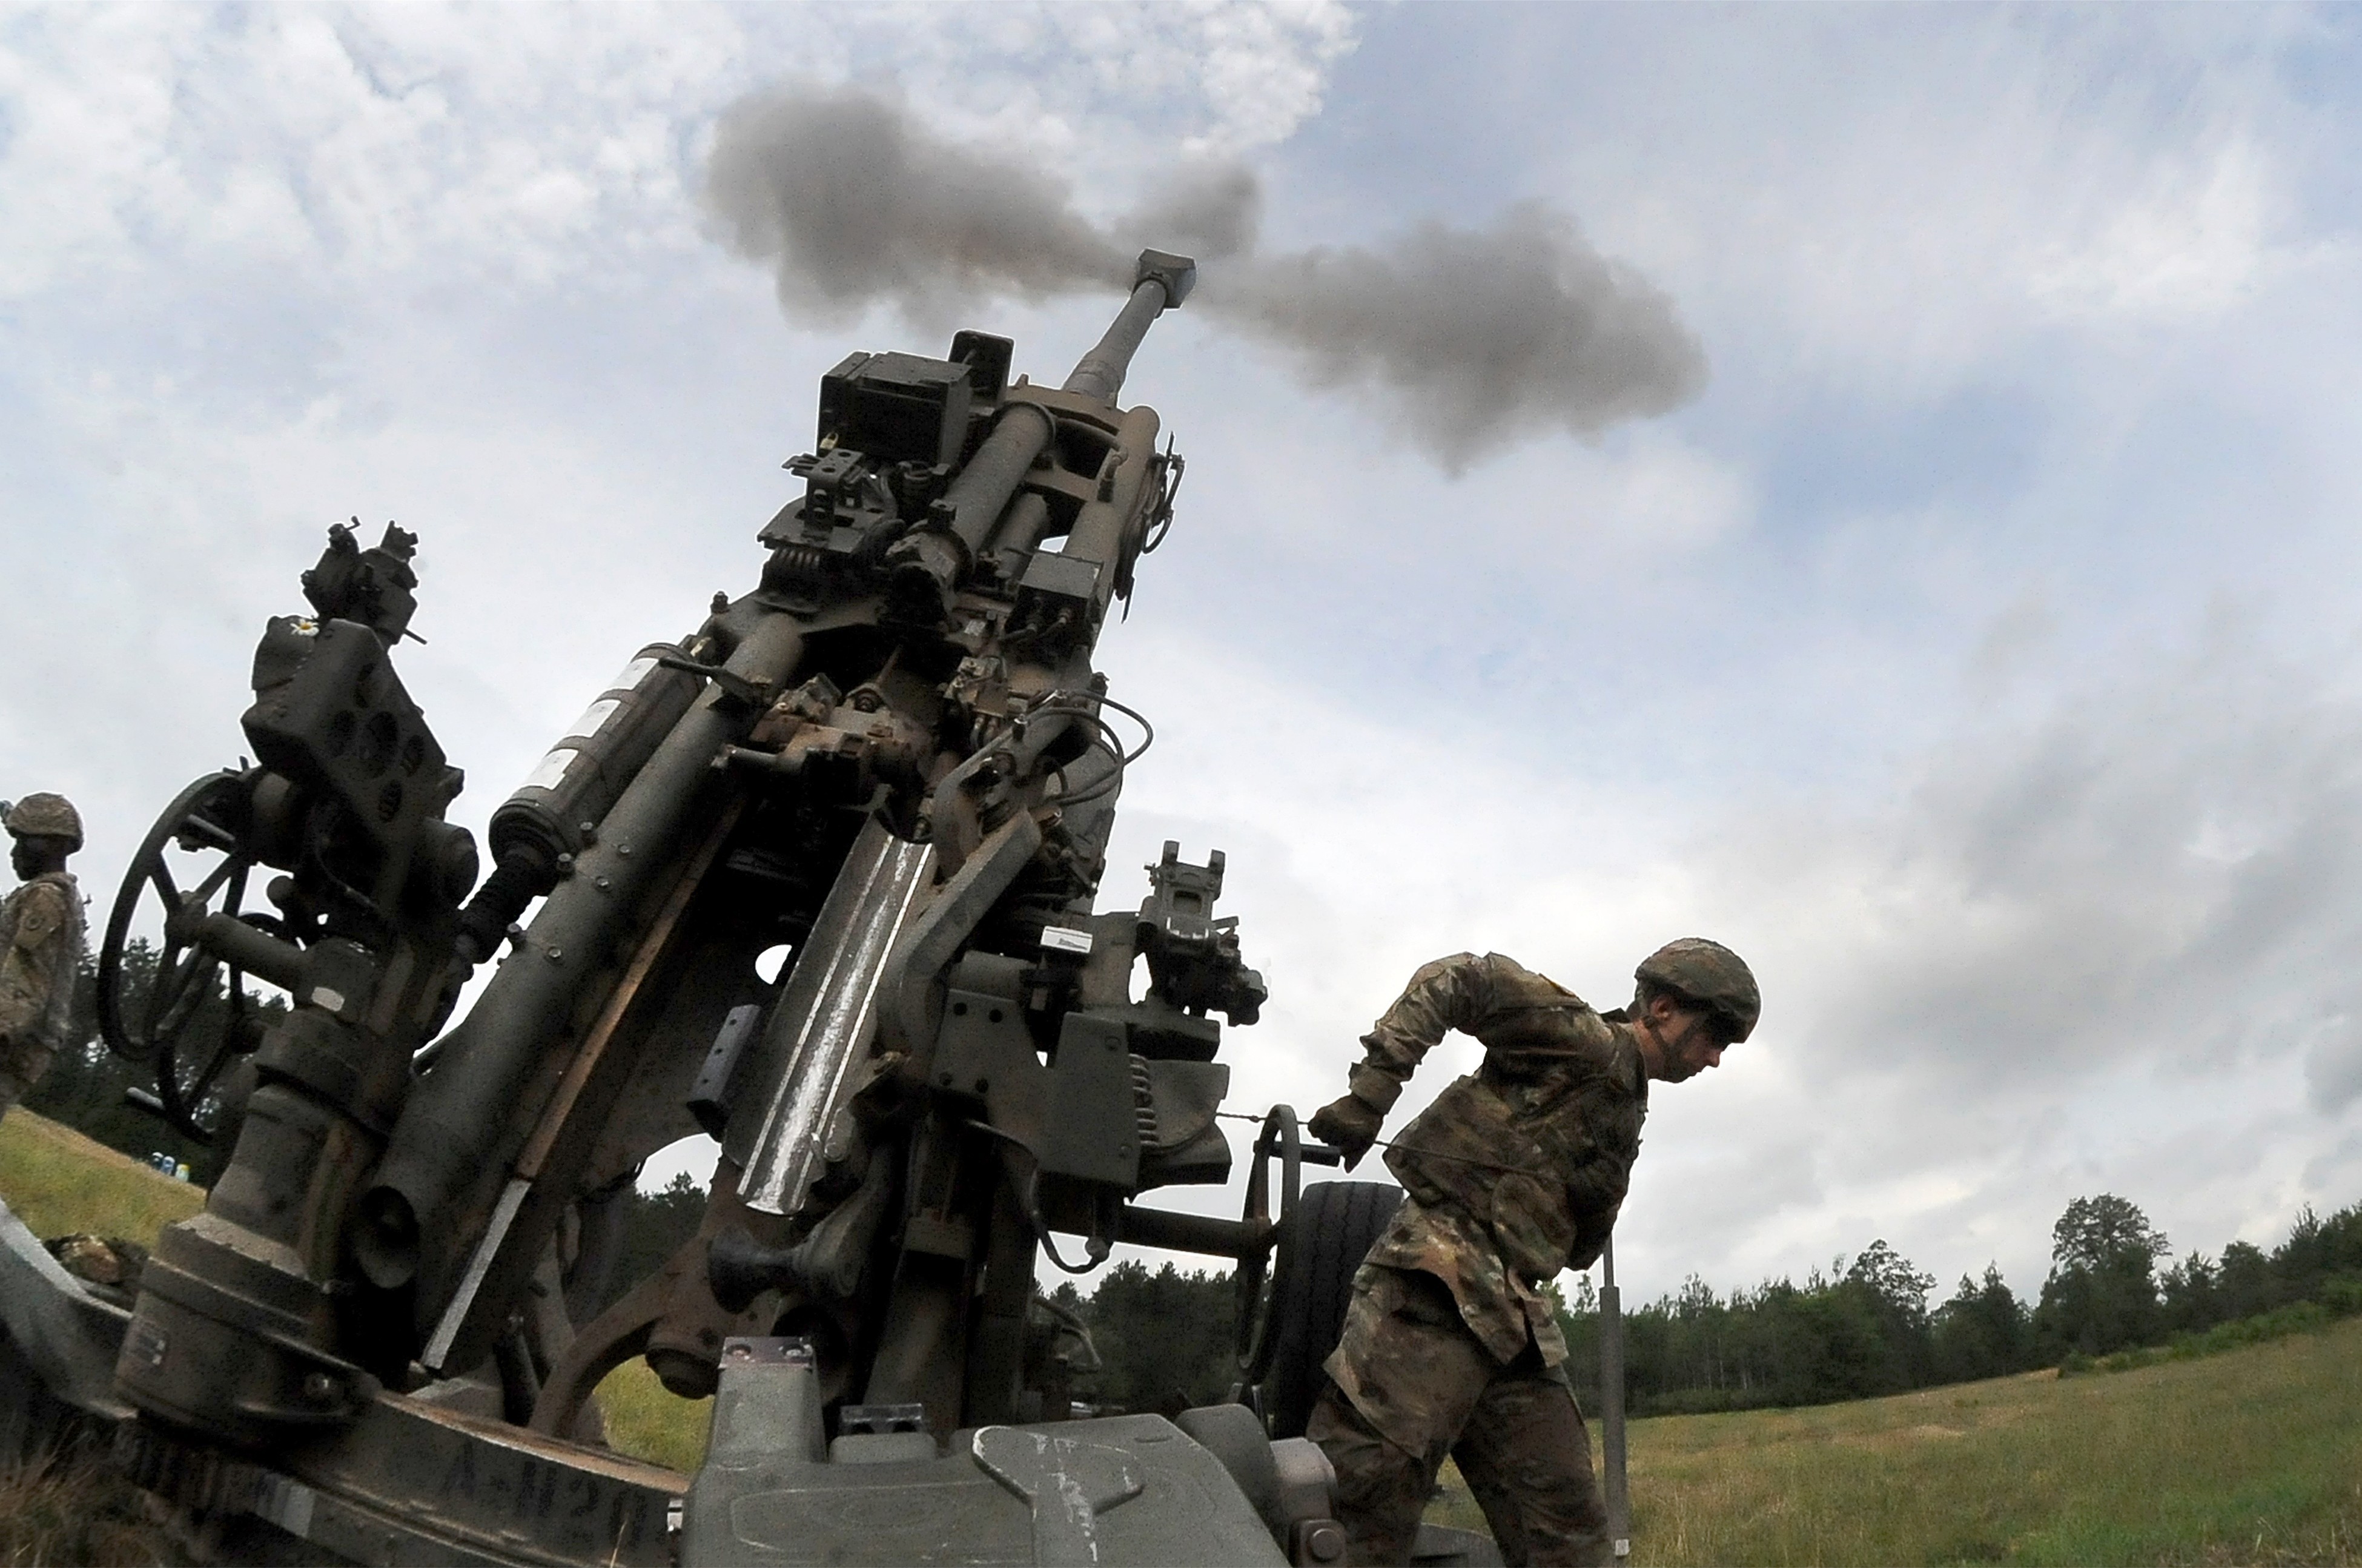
2252,1456
81,1515
648,1423
58,1182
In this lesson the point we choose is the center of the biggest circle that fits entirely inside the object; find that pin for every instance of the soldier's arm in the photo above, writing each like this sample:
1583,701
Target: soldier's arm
1596,1189
1590,1233
1595,1196
30,961
1451,993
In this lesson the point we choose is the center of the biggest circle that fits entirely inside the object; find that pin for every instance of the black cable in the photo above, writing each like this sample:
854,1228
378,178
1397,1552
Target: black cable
1095,1248
1099,788
1147,730
1415,1149
1104,736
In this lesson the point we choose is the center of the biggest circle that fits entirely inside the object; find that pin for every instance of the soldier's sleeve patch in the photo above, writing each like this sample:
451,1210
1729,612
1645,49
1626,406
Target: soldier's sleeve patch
41,917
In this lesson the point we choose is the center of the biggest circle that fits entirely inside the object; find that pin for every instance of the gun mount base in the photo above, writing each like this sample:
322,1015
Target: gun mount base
407,1480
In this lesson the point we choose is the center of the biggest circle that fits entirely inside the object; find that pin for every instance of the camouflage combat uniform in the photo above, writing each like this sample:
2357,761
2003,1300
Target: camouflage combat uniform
1514,1173
40,944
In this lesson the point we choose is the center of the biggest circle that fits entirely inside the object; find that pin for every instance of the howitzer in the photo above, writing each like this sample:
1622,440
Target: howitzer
894,759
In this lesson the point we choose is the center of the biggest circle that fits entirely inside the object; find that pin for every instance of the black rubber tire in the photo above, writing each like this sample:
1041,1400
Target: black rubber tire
1336,1223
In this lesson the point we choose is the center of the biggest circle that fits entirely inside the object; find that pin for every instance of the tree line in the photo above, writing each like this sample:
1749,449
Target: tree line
1859,1329
1866,1328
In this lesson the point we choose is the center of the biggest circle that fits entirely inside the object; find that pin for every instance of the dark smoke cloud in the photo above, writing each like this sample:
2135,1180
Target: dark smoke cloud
1467,338
855,202
1476,336
1209,210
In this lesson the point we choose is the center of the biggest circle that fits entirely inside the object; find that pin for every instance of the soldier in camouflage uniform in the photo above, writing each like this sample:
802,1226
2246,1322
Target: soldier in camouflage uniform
40,942
1514,1173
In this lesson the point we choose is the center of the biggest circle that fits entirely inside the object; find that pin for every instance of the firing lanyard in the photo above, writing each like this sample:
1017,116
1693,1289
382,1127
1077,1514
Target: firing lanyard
1415,1149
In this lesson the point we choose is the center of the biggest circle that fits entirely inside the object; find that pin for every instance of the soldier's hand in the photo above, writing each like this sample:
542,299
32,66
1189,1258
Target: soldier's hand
1348,1125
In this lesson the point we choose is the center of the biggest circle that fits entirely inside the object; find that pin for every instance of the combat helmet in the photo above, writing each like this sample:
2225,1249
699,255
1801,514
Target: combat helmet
1710,975
45,815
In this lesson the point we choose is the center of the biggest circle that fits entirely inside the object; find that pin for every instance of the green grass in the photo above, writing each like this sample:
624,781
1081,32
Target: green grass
2252,1455
647,1422
58,1182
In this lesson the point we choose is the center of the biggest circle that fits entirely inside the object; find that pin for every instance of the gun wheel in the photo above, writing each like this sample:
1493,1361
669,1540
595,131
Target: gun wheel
1337,1222
193,1016
1256,1318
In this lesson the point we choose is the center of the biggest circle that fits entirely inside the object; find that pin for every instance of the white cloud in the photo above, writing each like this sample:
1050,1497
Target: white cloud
1904,203
540,142
1264,67
1660,497
2197,242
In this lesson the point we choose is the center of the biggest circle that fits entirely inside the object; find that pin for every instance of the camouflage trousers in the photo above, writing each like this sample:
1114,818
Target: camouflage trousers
21,1067
1514,1429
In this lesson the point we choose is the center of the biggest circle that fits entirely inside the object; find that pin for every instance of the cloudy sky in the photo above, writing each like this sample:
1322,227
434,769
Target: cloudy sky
1967,632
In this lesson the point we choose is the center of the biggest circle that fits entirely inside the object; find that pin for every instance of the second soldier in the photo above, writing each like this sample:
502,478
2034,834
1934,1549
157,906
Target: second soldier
40,942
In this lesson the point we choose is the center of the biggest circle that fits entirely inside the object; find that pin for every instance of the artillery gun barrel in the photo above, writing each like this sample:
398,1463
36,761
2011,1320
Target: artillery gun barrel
1099,373
981,493
1162,283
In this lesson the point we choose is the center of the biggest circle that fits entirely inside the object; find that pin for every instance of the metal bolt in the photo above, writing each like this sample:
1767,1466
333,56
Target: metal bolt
720,601
319,1387
554,953
1325,1541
